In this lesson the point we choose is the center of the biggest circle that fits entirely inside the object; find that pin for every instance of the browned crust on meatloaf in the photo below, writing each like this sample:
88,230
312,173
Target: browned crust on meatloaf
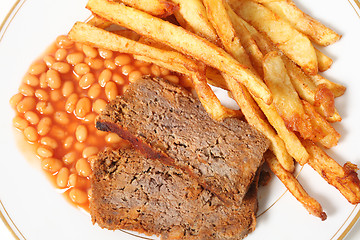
131,192
166,122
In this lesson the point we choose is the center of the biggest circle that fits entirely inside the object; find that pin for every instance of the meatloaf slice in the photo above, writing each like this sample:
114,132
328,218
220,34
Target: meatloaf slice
166,122
131,192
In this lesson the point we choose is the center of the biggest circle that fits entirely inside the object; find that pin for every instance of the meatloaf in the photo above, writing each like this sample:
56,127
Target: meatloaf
168,123
132,192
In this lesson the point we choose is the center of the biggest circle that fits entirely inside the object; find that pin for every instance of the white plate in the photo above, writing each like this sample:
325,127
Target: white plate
35,210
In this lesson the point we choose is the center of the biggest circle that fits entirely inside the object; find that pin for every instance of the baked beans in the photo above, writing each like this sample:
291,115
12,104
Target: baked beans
41,95
105,54
61,67
14,100
75,58
49,60
20,123
111,90
58,101
60,54
50,142
32,117
37,68
31,80
45,152
83,107
26,104
53,79
90,51
62,177
94,91
81,68
68,88
31,134
81,133
87,80
104,77
44,126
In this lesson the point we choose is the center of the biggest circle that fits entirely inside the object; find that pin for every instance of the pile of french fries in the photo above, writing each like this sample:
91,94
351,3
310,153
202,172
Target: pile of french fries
262,52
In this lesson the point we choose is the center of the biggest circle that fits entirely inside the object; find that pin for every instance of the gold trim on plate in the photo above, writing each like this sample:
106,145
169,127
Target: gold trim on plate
357,3
3,28
356,9
7,17
351,224
7,224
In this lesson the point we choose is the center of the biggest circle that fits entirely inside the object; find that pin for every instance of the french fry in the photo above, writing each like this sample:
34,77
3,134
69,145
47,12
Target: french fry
172,67
325,134
291,42
215,45
345,178
294,187
306,85
81,32
337,89
129,34
98,22
256,118
292,142
324,62
219,18
85,33
325,98
315,30
286,99
181,40
247,40
160,8
319,96
266,46
209,100
192,16
215,78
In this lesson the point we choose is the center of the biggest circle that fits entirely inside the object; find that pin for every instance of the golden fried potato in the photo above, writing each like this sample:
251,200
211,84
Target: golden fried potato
160,8
257,119
319,96
315,30
215,78
192,16
291,42
324,62
325,134
209,100
292,142
219,18
286,99
98,22
181,40
246,40
337,89
345,178
294,187
305,85
85,33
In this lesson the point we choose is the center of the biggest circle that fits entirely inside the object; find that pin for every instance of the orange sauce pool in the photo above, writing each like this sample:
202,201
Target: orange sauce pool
57,103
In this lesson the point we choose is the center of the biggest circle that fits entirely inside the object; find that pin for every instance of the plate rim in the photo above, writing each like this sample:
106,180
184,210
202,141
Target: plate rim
15,231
